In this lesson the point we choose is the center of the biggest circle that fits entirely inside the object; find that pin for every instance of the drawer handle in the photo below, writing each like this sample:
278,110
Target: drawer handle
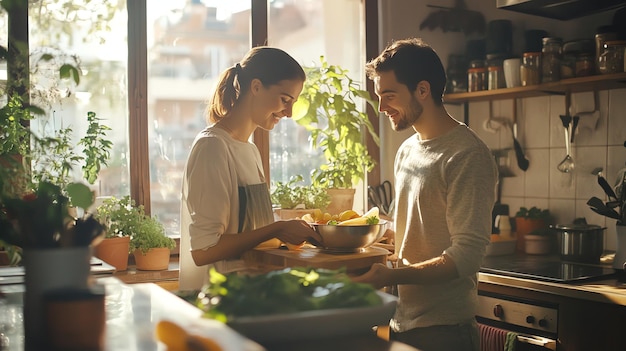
538,340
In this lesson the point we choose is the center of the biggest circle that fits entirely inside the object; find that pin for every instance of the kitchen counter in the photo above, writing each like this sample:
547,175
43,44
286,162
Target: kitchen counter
132,311
606,289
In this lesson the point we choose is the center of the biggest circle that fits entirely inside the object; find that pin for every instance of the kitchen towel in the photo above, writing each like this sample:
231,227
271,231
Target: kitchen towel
491,338
511,340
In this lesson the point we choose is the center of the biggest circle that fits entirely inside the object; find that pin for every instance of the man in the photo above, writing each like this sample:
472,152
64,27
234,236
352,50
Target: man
445,181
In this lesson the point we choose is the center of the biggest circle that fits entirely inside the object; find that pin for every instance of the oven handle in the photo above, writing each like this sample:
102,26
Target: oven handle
537,340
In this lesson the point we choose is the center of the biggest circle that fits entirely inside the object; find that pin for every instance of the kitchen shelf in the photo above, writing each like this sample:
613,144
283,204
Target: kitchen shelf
572,85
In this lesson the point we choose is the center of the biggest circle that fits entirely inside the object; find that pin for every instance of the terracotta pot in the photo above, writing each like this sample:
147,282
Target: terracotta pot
114,251
157,259
526,226
341,200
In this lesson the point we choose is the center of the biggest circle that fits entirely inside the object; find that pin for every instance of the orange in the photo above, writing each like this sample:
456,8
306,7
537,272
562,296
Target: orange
172,335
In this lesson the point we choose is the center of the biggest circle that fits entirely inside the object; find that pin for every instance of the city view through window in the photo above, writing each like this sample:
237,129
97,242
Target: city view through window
189,44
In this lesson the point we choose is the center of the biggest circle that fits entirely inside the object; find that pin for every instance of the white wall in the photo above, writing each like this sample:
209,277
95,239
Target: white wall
539,127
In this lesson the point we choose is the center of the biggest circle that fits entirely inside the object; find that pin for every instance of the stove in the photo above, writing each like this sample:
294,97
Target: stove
546,268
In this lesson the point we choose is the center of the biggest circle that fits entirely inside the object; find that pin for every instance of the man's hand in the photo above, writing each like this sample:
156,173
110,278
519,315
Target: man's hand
377,276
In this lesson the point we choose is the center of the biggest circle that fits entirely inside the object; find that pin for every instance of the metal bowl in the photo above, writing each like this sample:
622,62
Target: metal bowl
349,238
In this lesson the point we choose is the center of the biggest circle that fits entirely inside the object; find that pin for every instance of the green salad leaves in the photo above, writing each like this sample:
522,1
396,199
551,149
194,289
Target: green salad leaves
284,291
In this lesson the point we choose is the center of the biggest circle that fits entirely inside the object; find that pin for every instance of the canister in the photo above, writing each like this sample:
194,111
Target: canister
476,79
611,59
530,71
551,57
495,78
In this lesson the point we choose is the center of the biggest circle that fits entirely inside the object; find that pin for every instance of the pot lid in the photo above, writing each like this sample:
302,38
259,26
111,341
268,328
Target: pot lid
577,227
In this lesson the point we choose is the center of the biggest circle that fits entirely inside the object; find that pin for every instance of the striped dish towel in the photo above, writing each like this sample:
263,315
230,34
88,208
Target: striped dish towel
492,338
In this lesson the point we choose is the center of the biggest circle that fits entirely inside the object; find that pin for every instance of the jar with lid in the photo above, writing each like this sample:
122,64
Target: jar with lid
495,78
476,79
611,59
530,71
585,65
551,57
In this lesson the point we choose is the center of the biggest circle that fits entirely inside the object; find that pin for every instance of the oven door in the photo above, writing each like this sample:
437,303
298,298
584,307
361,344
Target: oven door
511,324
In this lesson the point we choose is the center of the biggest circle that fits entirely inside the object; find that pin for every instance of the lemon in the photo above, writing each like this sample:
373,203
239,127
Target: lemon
317,215
347,214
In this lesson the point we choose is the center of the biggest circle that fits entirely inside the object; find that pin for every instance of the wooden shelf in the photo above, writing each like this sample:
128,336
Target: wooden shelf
572,85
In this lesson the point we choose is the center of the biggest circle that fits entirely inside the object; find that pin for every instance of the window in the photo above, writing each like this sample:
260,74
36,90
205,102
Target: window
189,44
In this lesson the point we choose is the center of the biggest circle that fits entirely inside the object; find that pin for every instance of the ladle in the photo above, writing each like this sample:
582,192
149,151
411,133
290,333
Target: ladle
567,165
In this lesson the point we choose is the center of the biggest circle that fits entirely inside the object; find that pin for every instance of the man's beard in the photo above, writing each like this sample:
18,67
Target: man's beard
412,114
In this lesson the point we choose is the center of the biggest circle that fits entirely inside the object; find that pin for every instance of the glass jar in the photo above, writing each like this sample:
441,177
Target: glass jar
530,71
611,59
600,40
585,65
551,57
495,78
476,79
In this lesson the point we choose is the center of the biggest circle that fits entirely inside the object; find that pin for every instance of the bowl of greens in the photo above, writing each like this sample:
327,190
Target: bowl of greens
295,303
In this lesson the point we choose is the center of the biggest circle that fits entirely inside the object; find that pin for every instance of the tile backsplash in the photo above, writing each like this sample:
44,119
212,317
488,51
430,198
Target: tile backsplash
598,142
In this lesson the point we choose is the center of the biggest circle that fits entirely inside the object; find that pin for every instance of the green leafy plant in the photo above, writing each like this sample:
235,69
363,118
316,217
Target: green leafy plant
96,148
328,108
122,217
289,194
40,218
534,213
150,235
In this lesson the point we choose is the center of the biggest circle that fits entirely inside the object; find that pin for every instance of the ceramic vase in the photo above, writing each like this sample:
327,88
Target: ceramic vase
620,253
48,271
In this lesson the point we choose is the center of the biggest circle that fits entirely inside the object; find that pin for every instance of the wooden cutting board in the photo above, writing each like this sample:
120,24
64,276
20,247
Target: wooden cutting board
276,258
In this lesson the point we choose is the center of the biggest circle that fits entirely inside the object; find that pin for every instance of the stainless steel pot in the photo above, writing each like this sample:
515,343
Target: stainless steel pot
580,242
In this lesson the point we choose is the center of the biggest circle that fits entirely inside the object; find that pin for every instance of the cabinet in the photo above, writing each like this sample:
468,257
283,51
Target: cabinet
572,85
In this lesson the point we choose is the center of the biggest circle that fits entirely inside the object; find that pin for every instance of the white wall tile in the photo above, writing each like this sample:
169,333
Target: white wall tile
537,180
536,122
617,117
598,143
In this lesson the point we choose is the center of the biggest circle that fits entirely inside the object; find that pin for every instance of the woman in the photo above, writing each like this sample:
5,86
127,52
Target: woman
226,209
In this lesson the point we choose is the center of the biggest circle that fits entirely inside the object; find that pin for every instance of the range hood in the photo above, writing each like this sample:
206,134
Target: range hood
560,9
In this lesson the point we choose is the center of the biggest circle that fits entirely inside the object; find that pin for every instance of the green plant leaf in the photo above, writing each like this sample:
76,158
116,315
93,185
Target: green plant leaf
80,195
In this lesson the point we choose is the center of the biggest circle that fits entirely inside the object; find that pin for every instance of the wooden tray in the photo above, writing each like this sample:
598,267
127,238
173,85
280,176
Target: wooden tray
276,258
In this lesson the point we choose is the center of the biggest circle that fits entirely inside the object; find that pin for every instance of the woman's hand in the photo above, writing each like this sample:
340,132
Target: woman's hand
295,231
377,276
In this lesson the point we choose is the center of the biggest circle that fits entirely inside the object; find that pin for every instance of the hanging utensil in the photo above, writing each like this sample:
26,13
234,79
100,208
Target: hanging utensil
597,205
567,165
522,161
608,190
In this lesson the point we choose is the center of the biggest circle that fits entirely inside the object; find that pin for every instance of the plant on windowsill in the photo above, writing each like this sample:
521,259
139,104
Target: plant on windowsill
295,199
148,240
330,108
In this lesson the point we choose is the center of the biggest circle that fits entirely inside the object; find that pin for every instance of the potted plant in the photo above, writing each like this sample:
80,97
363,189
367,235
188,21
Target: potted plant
56,246
533,221
119,219
330,108
150,245
296,200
